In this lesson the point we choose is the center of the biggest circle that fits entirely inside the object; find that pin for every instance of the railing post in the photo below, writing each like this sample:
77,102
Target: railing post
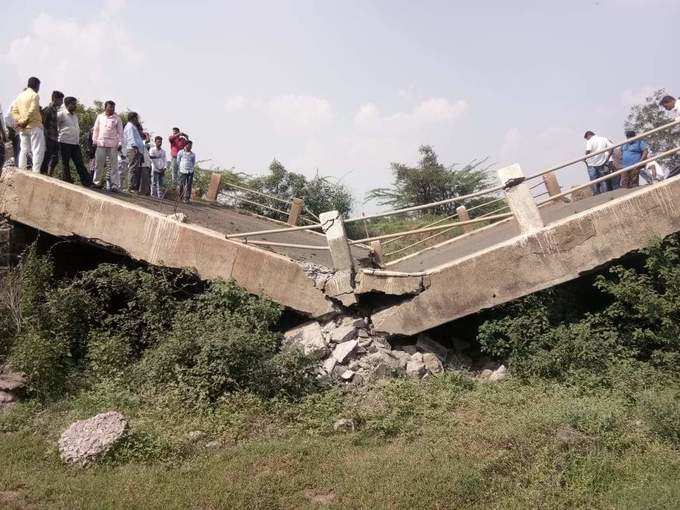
463,215
341,285
553,185
295,211
519,198
213,187
377,252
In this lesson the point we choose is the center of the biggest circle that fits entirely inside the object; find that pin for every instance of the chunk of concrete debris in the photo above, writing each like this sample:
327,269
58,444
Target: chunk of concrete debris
415,369
347,375
344,425
427,344
499,374
309,338
6,397
340,286
329,365
86,440
343,334
178,217
344,349
432,363
11,381
318,273
195,435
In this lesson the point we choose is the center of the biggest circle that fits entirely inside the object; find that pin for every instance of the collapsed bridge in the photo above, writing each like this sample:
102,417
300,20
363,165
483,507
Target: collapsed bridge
534,240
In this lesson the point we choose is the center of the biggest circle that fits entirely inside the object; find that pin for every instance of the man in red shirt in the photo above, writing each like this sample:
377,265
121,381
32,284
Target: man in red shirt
177,141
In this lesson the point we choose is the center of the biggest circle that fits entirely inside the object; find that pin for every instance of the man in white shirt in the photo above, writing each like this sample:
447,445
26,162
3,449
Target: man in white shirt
159,161
68,130
597,164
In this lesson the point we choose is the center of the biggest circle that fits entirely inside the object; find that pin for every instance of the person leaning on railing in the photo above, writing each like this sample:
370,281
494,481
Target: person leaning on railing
631,153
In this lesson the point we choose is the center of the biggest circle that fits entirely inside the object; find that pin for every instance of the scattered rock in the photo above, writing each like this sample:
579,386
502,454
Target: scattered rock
213,445
427,344
347,375
432,363
344,349
318,273
486,373
195,435
329,365
6,397
11,381
309,338
499,374
344,425
415,368
86,440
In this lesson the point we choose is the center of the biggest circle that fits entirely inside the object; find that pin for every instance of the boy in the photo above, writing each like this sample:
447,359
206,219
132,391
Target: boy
186,161
177,142
159,161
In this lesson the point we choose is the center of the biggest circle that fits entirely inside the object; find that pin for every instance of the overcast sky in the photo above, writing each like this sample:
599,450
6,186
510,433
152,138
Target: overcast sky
346,87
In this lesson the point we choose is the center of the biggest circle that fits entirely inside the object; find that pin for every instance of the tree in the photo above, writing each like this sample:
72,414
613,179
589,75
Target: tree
649,115
431,181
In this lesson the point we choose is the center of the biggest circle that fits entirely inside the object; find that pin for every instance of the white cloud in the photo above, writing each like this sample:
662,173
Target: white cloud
75,57
286,112
113,7
428,112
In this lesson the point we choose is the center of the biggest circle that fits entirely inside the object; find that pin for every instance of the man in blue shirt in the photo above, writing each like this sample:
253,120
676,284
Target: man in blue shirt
186,161
631,153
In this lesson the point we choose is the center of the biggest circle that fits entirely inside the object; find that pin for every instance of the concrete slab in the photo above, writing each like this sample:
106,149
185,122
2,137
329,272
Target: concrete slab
520,265
150,235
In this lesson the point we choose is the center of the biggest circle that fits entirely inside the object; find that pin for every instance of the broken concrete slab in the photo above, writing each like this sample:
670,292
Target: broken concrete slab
427,344
343,350
415,368
340,286
385,283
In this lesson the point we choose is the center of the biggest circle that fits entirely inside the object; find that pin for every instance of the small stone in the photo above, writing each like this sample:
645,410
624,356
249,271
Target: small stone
329,365
212,445
12,381
309,338
338,370
486,373
86,440
195,435
427,344
178,217
344,349
352,322
499,374
347,375
432,363
415,369
418,356
363,334
403,357
344,425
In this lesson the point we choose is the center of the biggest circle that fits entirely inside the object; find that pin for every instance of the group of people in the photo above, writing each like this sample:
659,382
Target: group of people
607,159
42,136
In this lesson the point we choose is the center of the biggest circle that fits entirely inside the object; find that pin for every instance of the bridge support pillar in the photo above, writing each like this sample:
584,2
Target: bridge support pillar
463,215
522,204
295,211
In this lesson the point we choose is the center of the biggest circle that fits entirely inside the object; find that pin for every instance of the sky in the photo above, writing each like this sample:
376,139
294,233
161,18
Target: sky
343,89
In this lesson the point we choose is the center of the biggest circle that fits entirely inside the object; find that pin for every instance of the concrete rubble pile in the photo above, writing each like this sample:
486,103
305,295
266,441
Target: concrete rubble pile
350,352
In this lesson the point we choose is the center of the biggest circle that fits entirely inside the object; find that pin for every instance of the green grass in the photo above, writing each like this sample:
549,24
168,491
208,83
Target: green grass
445,443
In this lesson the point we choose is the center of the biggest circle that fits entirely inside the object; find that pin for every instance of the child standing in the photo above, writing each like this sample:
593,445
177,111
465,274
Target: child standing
158,161
186,161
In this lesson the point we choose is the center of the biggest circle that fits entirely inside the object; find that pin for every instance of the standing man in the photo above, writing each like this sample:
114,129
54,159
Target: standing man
177,142
26,114
186,161
12,134
631,153
159,161
133,147
107,136
49,118
69,142
597,164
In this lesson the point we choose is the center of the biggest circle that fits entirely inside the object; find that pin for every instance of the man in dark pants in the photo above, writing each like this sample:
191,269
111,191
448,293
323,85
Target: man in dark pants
69,142
49,116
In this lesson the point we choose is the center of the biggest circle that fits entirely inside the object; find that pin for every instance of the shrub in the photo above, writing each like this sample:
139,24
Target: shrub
107,355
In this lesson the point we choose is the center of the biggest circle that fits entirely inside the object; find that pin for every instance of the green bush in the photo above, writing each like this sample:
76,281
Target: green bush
107,355
551,334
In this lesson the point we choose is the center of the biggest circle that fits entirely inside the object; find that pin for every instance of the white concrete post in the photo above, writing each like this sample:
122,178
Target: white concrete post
521,203
295,211
334,228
